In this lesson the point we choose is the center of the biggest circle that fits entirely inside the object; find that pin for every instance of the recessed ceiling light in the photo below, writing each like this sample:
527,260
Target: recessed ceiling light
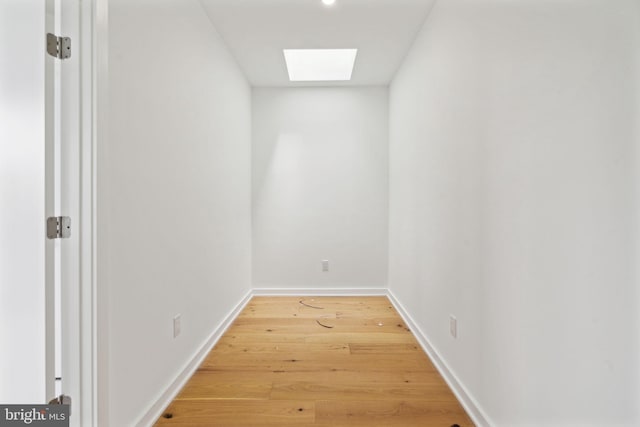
328,2
305,65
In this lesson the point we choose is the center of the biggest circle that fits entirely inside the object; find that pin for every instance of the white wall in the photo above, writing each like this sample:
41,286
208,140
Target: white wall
174,196
514,189
22,202
320,187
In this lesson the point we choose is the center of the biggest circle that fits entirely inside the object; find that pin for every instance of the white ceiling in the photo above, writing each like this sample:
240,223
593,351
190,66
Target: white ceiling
256,31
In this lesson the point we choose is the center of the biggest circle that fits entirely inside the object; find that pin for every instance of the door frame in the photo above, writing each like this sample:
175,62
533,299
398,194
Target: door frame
84,355
94,313
91,379
96,25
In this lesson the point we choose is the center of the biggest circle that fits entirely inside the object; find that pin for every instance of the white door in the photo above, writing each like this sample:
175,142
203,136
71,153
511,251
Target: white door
39,164
26,370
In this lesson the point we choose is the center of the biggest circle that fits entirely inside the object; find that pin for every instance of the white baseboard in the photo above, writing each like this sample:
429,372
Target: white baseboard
155,411
477,415
343,292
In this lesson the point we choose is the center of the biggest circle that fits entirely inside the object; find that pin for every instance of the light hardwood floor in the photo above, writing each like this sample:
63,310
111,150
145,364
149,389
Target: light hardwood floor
278,366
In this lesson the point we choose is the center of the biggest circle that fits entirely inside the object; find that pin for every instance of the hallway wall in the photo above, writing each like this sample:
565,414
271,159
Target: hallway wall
174,196
514,204
320,187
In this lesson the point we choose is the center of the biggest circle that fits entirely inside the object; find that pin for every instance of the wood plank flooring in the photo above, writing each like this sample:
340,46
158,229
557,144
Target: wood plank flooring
277,365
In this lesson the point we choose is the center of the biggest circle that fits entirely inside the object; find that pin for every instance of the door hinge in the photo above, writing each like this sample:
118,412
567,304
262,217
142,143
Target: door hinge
58,47
58,227
61,400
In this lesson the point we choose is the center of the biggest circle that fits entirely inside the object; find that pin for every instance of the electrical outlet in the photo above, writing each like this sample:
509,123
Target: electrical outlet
325,265
176,325
453,326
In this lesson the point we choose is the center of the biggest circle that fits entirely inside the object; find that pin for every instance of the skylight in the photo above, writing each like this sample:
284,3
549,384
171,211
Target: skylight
307,65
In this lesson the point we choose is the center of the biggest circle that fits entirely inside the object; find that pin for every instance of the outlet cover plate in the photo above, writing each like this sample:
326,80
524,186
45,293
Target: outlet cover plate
177,326
453,326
